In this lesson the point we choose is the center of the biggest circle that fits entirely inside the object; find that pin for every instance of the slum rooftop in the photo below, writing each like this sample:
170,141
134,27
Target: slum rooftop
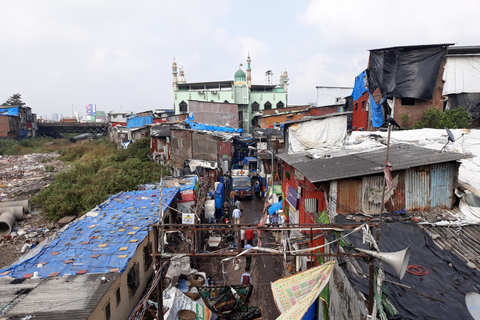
342,163
59,298
103,240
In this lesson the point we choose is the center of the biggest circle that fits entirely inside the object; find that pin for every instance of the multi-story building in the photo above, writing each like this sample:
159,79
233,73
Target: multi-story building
17,122
251,99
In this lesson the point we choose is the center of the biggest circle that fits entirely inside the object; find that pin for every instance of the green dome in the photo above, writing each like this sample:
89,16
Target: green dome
240,75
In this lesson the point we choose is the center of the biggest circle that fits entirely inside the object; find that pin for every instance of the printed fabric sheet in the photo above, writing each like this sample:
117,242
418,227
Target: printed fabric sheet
294,295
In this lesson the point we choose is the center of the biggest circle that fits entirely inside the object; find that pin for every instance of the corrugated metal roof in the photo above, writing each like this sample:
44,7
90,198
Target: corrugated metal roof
68,297
420,46
463,50
310,118
337,165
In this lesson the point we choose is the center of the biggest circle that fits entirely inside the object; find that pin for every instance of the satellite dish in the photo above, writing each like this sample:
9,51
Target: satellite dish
472,300
451,138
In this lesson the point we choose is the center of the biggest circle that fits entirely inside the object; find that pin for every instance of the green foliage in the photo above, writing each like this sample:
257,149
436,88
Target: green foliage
406,120
14,100
28,146
99,171
454,119
8,147
49,168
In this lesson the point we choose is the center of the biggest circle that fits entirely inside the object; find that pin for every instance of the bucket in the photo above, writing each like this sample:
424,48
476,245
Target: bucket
197,280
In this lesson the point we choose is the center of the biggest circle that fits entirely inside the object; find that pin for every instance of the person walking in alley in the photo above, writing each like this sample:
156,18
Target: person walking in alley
231,201
238,204
249,235
236,214
248,259
246,277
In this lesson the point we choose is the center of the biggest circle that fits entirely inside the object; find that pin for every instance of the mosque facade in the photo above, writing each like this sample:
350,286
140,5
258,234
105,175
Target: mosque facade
251,99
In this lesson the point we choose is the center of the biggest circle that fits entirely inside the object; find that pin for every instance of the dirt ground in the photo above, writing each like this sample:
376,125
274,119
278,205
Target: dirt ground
21,177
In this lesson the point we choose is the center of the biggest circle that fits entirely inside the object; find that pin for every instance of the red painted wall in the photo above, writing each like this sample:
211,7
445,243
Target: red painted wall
360,113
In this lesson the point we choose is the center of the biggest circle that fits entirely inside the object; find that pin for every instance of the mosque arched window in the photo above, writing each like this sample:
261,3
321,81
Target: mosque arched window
280,105
183,106
255,106
267,105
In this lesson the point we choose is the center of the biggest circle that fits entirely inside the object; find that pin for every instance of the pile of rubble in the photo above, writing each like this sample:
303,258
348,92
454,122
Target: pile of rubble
22,177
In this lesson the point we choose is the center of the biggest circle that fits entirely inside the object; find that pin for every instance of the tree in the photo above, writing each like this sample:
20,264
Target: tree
454,119
14,100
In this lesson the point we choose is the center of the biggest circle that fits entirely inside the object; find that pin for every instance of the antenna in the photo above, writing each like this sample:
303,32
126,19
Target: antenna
269,75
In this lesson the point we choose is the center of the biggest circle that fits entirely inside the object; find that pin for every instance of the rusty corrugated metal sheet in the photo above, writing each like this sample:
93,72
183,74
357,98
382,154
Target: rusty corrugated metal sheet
369,183
441,185
397,202
417,186
349,196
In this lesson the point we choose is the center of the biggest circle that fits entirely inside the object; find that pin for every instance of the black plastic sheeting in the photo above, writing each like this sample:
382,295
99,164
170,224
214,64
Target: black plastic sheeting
470,101
442,290
405,72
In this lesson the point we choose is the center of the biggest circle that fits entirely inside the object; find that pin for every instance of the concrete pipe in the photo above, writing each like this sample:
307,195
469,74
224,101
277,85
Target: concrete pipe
22,203
18,212
7,219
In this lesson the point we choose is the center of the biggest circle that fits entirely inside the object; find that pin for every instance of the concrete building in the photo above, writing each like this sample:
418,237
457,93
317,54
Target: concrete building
251,99
17,122
96,268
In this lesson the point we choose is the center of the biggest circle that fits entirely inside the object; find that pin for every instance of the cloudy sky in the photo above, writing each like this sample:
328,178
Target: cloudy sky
61,55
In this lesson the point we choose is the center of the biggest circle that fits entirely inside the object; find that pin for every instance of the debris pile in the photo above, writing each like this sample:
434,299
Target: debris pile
23,176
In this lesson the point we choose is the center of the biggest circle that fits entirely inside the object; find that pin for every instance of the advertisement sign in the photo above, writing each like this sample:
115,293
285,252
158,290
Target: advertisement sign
188,218
292,197
188,195
293,215
177,301
91,109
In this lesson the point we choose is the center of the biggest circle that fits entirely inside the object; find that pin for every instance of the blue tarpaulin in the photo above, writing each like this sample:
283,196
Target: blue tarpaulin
359,87
138,122
10,111
274,207
201,126
104,239
377,112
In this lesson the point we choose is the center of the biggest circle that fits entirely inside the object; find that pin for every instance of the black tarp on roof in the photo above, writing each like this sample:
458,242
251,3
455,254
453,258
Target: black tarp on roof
440,294
406,72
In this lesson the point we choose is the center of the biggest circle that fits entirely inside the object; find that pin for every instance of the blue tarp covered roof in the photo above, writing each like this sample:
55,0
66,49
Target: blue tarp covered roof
359,87
10,111
104,239
138,122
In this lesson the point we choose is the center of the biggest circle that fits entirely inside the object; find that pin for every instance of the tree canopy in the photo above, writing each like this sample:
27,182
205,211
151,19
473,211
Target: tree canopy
14,100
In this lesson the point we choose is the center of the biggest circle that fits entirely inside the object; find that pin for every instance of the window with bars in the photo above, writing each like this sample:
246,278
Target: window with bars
133,279
280,105
255,106
267,105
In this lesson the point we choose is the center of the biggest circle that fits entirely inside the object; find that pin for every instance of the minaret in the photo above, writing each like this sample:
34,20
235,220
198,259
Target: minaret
249,72
174,72
285,80
181,77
